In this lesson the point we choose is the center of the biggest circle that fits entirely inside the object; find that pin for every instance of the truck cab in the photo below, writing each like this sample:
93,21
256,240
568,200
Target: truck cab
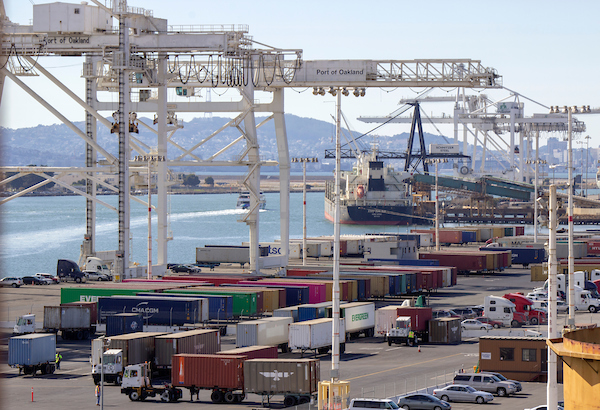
68,270
96,269
401,332
525,306
503,310
585,301
113,365
24,324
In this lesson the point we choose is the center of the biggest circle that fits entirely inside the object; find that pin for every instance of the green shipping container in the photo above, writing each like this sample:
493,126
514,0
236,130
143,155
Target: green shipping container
244,303
91,294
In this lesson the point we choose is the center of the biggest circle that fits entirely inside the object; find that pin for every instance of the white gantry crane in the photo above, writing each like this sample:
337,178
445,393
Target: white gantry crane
485,121
139,58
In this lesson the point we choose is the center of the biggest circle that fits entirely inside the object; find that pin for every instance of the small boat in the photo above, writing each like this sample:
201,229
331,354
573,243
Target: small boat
243,201
598,178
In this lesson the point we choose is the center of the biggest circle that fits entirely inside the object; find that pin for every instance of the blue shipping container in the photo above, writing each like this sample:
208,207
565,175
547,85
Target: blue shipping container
407,262
523,256
123,323
220,307
155,311
312,311
32,349
469,236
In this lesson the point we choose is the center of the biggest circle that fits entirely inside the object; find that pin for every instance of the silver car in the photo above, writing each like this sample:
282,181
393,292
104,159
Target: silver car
459,392
504,379
486,382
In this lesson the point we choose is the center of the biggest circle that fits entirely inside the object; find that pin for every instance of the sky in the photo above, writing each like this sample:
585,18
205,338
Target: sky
544,50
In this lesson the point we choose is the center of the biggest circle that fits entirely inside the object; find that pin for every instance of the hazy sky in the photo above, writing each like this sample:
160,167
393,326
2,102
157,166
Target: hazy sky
545,50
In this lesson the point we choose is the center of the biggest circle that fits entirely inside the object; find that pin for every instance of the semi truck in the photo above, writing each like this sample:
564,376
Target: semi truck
67,270
32,352
525,306
503,310
402,332
122,350
229,377
73,322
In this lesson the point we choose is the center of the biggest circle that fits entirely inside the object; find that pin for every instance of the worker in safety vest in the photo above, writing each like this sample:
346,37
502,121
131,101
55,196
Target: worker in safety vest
58,359
411,335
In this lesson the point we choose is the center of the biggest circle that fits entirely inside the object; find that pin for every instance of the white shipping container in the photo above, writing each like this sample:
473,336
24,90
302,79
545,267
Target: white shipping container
313,334
385,318
264,332
447,277
359,316
426,239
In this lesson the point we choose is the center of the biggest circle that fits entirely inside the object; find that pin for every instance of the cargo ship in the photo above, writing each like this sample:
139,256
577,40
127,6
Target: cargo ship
372,194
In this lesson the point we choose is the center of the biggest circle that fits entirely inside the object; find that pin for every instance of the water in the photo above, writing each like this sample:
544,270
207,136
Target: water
36,231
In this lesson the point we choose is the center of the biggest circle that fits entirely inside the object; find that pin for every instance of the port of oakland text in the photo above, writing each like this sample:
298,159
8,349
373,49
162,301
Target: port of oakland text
340,72
66,40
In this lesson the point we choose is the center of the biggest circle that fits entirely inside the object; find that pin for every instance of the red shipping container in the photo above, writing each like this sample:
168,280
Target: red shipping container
419,316
427,280
253,352
206,371
519,230
593,247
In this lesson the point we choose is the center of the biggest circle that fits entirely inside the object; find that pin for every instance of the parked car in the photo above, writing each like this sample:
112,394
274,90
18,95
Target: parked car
460,392
184,268
436,314
53,278
418,401
11,281
97,276
474,324
464,313
486,382
35,280
496,324
504,379
372,404
478,309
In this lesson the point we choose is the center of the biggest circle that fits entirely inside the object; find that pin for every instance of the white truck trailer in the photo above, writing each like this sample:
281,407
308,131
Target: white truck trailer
315,335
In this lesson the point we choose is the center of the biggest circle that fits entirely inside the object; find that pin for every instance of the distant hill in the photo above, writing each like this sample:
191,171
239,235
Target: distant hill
57,145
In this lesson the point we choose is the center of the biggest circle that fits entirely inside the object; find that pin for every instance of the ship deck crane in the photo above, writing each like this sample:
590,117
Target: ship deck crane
145,57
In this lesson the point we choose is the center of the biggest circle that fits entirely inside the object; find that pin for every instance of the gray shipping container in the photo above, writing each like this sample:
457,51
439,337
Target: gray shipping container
32,349
290,311
265,332
67,317
137,347
201,341
282,376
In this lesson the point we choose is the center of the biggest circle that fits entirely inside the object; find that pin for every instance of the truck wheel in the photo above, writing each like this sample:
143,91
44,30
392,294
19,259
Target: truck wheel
118,380
44,369
514,323
240,397
216,396
289,401
78,280
165,396
134,396
86,334
533,321
592,309
323,350
389,341
79,335
304,400
229,397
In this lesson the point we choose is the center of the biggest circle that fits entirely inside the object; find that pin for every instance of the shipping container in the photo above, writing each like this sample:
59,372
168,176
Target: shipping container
445,330
167,311
312,311
316,291
243,303
92,293
523,256
265,332
208,371
420,316
220,307
315,335
253,352
66,317
262,376
201,341
123,323
385,319
92,305
359,318
464,262
137,347
31,349
291,311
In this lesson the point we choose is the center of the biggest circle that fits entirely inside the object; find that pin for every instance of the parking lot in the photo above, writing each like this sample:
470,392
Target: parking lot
373,368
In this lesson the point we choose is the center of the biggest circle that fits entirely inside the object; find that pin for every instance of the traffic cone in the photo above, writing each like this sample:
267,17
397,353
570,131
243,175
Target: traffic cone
419,349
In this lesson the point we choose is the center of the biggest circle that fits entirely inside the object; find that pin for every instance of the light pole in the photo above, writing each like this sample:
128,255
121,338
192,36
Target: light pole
587,155
535,192
105,343
304,161
436,161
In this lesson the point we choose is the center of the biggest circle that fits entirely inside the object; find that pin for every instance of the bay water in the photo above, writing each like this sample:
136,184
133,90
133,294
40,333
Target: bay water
37,231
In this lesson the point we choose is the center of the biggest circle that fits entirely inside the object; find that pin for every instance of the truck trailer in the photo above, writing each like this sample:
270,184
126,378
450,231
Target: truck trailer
315,335
73,322
32,352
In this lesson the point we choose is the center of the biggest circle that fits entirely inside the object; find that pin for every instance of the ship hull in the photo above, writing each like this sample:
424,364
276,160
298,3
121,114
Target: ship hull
371,214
